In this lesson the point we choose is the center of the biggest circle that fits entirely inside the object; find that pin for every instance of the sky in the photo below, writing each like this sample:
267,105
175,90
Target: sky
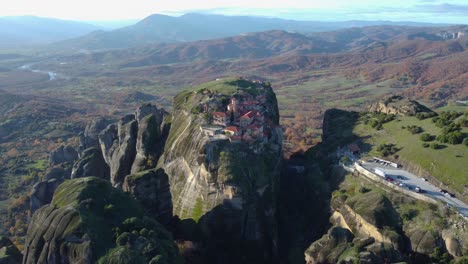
438,11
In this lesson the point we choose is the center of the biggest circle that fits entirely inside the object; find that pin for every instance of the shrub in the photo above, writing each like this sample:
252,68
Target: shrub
436,146
451,138
450,128
463,122
387,149
425,145
425,115
426,137
465,141
414,129
445,118
123,239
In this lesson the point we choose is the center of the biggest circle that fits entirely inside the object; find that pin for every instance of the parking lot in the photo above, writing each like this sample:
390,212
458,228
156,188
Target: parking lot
410,181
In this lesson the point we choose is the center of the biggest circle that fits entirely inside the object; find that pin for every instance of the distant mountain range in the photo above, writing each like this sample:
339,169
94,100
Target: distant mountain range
30,30
268,44
193,27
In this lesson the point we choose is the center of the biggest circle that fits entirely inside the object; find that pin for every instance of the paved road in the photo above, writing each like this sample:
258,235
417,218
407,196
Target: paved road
412,181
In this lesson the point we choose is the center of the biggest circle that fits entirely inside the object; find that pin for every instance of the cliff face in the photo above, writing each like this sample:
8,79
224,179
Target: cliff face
218,176
134,143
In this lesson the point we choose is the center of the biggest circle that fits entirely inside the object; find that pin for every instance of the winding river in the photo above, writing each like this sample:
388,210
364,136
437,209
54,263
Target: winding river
27,67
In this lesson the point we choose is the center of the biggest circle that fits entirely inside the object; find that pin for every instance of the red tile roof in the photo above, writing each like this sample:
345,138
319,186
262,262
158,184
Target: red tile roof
219,114
232,128
251,114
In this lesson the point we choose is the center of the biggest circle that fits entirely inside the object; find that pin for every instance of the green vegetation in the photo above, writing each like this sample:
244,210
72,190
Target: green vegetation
425,115
114,221
447,164
414,129
198,209
426,137
376,120
387,149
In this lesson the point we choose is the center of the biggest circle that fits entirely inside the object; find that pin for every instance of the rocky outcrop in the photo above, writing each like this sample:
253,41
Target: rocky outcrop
42,193
151,189
423,241
149,144
398,105
118,145
447,35
228,187
329,248
63,154
57,173
9,253
134,143
90,137
80,226
91,163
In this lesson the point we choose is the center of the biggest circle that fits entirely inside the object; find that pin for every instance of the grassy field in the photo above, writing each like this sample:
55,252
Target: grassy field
448,164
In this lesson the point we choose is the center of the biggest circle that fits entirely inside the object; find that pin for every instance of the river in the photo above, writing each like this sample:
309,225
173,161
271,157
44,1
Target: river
27,67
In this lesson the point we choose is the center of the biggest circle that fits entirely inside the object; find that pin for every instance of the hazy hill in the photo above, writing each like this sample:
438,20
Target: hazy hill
367,44
31,30
192,27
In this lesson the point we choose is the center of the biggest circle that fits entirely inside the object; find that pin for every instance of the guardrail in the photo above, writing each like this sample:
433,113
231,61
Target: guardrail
370,175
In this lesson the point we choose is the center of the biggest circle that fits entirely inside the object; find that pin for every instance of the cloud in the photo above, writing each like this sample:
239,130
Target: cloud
444,8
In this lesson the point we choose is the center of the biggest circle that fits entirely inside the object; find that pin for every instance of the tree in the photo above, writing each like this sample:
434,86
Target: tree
426,137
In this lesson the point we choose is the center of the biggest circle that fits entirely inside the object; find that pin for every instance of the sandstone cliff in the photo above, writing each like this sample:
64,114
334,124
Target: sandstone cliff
134,143
229,187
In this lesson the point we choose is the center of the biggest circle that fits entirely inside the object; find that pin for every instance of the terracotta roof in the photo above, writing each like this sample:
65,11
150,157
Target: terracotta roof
220,114
251,114
232,128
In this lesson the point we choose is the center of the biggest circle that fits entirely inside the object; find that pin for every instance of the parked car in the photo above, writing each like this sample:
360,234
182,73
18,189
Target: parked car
443,191
418,190
400,177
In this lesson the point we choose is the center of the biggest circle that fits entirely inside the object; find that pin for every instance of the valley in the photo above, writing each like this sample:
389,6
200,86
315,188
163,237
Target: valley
208,135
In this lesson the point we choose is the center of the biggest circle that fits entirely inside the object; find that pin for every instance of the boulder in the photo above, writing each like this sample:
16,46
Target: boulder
63,154
9,253
151,189
424,241
91,163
